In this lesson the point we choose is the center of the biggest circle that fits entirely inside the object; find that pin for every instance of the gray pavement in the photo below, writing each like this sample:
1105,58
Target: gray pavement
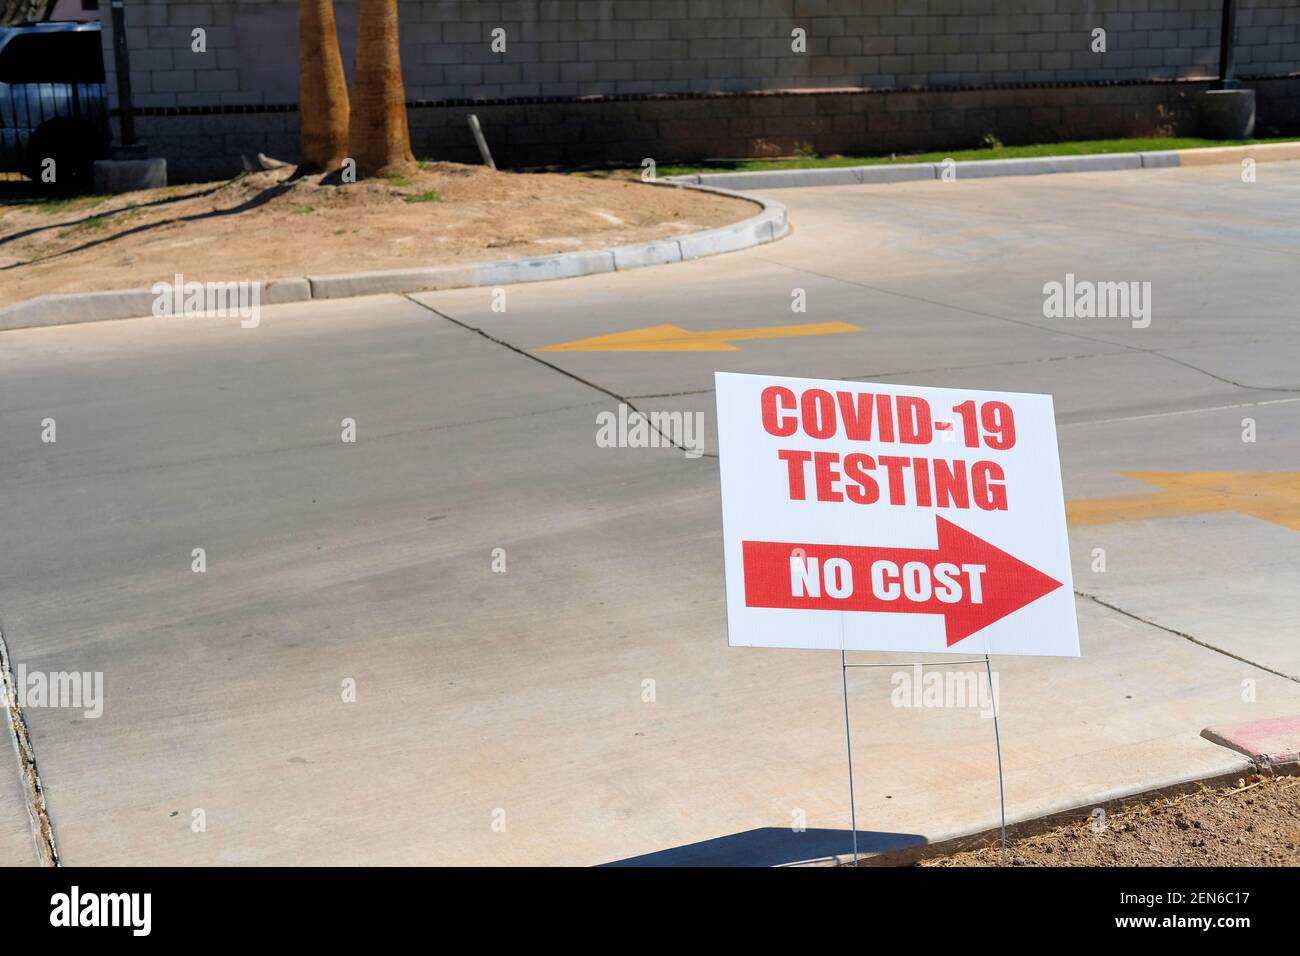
502,717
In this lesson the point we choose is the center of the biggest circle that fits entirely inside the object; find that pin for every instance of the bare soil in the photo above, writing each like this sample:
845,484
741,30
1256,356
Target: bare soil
265,225
1255,822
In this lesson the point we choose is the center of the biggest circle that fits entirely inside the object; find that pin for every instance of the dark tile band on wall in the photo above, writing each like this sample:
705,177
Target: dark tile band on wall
209,109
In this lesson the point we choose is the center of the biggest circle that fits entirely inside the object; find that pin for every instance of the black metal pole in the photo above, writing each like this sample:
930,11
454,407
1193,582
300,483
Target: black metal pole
1227,51
122,62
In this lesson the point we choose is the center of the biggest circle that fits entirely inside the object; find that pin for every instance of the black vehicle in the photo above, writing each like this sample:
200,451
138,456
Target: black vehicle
53,102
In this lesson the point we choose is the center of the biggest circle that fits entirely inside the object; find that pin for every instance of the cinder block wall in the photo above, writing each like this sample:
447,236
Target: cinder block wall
829,122
568,49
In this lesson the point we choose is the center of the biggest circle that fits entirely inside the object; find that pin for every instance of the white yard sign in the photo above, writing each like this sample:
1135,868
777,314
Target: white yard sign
892,517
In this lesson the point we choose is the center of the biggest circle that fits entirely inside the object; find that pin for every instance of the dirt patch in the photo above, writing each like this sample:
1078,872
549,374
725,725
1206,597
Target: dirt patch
1256,822
265,226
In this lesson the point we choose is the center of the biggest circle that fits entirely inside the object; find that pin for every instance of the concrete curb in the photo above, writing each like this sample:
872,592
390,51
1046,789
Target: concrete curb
1264,152
1273,742
1045,165
73,307
832,176
980,169
769,225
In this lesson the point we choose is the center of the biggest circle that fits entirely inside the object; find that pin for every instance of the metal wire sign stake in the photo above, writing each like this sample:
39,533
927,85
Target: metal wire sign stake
997,738
931,519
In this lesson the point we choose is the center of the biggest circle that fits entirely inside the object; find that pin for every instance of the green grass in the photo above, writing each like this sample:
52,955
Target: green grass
87,225
55,206
431,196
398,180
302,210
1077,148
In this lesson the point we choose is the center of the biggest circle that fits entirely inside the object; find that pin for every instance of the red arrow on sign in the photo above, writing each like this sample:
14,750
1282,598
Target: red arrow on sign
966,579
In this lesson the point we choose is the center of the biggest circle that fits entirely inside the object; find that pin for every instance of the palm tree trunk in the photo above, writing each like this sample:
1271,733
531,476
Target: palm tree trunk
322,89
378,137
25,11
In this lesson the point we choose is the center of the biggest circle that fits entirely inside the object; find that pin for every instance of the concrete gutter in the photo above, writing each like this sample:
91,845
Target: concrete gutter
769,225
979,169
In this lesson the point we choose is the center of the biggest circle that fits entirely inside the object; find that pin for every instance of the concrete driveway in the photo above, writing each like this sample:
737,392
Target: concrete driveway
532,626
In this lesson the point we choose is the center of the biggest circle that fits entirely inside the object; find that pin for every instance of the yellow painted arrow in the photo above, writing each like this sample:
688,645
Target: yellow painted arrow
672,338
1268,495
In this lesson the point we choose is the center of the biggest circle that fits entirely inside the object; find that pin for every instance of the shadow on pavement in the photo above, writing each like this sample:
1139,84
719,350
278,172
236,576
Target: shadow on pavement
772,846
